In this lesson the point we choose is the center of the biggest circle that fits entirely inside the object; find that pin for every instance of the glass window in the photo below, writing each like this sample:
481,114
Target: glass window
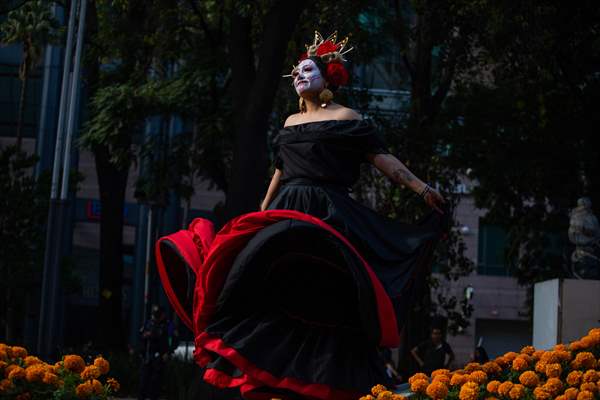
491,257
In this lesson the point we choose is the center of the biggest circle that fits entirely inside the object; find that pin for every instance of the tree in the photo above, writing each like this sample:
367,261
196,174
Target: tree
23,213
527,126
33,26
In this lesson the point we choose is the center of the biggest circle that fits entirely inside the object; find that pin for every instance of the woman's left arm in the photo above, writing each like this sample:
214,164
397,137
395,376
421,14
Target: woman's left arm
399,173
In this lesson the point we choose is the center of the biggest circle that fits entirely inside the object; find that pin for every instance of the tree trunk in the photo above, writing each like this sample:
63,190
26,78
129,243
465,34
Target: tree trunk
112,182
253,93
21,114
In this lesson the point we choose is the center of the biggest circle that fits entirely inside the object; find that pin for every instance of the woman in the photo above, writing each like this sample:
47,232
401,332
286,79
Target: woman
297,300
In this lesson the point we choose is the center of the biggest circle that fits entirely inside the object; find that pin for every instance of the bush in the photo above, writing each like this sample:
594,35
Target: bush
26,377
566,372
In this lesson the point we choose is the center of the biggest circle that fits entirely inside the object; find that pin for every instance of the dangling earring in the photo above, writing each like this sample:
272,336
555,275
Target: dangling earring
325,96
302,105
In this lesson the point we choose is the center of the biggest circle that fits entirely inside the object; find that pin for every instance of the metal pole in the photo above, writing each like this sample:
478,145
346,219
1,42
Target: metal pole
64,191
51,272
63,102
149,245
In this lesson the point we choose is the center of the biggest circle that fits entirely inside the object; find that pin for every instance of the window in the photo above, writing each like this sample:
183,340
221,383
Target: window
491,258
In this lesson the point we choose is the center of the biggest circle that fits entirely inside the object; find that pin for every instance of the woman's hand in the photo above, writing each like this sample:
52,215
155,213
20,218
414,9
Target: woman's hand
434,199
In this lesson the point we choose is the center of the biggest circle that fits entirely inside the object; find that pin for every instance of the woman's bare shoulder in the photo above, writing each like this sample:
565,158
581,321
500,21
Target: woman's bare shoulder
292,120
342,112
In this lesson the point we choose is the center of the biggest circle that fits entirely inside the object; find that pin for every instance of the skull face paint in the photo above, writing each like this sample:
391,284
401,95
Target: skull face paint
308,78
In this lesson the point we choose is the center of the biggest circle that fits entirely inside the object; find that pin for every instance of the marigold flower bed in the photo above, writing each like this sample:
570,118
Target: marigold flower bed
26,377
566,372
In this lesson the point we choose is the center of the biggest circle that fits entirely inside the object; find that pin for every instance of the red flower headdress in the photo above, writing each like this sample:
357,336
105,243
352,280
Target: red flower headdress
332,55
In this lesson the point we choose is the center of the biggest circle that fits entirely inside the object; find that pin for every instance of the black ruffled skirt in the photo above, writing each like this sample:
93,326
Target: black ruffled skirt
296,301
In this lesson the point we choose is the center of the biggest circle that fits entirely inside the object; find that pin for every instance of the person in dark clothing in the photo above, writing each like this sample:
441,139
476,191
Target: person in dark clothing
434,353
155,341
480,355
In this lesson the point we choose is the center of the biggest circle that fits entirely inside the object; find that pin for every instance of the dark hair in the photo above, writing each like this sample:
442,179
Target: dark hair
323,69
483,355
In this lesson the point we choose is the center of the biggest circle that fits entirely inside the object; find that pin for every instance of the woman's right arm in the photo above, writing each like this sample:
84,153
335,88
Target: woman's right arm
272,191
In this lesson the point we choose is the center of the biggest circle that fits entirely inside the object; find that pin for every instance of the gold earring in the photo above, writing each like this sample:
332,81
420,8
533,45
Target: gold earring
302,105
325,96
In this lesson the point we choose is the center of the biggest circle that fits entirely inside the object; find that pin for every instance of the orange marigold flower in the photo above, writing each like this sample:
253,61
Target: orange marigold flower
84,390
74,363
517,392
3,355
32,360
540,367
90,372
367,397
50,378
571,393
502,361
585,395
35,373
385,395
590,376
560,347
574,378
491,368
478,377
470,367
550,357
469,391
520,364
102,364
18,352
561,397
491,398
458,379
564,355
16,373
492,386
419,385
375,390
3,364
445,379
113,384
553,386
437,390
5,385
511,355
529,379
589,386
539,393
504,388
537,354
576,345
97,387
418,375
398,397
529,350
586,360
441,371
553,370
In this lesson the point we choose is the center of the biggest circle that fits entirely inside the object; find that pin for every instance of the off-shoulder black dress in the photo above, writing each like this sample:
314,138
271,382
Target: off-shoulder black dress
297,301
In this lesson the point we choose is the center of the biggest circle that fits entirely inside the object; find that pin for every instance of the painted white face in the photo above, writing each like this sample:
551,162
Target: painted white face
308,78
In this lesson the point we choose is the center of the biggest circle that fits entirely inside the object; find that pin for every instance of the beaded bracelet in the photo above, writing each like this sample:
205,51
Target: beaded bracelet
425,190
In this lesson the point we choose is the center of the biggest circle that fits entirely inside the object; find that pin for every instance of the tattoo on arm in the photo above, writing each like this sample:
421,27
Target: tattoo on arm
403,175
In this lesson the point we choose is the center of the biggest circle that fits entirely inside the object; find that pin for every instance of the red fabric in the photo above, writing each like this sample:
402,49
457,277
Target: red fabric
192,245
211,258
231,240
254,377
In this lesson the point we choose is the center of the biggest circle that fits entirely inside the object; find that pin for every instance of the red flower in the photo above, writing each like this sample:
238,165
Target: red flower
336,74
326,47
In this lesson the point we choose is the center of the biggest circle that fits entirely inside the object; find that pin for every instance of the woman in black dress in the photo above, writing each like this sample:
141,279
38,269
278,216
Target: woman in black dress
296,300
